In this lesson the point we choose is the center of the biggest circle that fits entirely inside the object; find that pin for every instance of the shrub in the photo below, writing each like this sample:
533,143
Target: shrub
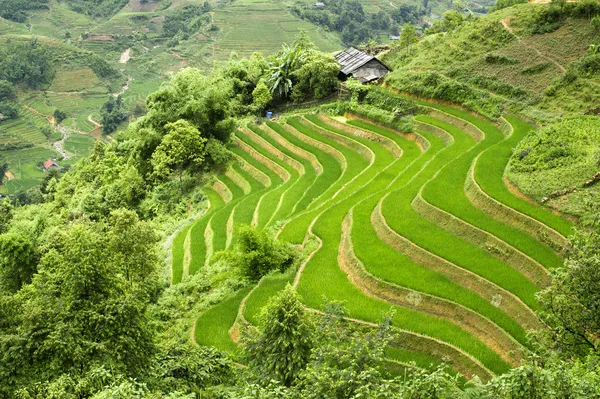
258,253
535,69
498,59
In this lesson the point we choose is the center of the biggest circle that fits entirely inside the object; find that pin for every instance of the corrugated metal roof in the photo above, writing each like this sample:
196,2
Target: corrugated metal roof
351,58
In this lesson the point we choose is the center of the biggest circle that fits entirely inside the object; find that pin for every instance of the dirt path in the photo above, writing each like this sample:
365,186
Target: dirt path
124,88
59,146
126,56
506,24
93,121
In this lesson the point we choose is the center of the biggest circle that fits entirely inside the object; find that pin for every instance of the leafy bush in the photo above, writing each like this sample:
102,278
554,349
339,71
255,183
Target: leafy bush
28,64
560,155
186,21
537,68
15,10
498,59
258,253
434,85
500,4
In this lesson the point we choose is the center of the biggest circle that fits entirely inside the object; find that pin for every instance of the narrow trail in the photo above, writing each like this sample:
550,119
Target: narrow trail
506,24
97,124
58,145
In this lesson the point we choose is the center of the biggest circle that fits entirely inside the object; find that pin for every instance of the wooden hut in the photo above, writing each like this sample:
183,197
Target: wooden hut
361,66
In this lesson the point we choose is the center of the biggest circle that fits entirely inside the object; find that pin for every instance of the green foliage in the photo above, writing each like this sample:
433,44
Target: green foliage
261,96
280,349
16,10
281,70
59,116
6,214
498,59
186,21
354,24
316,78
452,20
18,260
257,253
408,37
501,4
560,155
550,17
537,68
26,64
95,8
431,84
83,308
112,114
345,361
570,302
7,91
183,147
187,368
204,102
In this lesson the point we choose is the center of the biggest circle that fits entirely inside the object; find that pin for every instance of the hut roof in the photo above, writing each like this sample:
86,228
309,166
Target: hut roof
351,58
49,163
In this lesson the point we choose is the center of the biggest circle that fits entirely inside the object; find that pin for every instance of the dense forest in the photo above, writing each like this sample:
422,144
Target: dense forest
354,24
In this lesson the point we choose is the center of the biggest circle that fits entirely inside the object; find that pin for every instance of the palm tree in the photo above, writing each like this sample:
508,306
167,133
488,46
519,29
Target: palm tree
281,69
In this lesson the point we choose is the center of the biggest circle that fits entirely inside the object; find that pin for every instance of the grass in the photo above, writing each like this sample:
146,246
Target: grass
212,326
198,246
386,263
269,286
79,145
490,160
403,219
295,191
440,172
446,191
178,254
489,168
272,200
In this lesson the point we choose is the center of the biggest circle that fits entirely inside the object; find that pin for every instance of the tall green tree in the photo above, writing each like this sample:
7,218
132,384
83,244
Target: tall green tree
182,147
281,70
408,37
279,350
317,77
571,303
18,261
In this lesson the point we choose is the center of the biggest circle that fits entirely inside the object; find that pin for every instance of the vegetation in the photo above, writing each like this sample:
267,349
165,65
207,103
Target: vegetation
316,255
112,113
354,24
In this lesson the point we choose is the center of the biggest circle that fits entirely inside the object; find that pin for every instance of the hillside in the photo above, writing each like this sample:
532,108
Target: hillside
432,236
503,63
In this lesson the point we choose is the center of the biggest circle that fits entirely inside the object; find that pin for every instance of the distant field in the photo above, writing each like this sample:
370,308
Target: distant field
24,165
263,26
79,79
78,145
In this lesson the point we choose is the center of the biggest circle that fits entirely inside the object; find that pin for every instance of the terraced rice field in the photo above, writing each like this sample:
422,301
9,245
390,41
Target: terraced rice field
420,222
247,26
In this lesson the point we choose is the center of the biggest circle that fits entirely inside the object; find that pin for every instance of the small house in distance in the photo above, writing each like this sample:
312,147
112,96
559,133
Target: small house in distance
362,66
50,164
319,4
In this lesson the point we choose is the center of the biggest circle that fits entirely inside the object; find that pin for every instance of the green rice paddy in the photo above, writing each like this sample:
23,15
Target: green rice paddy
367,169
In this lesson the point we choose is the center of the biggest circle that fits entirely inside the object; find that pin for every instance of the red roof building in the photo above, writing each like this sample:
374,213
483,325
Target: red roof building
50,164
